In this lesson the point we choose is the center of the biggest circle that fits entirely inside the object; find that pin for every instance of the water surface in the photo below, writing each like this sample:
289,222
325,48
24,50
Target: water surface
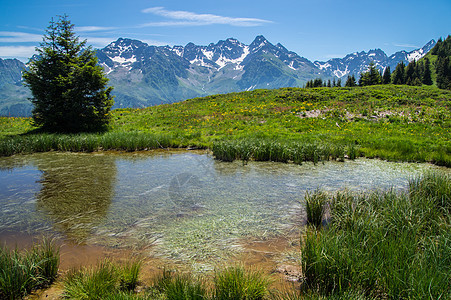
182,206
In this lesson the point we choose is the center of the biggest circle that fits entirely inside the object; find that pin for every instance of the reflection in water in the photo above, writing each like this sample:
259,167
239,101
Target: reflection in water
76,192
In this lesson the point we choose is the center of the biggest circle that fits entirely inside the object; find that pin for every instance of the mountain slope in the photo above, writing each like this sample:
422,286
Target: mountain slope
358,62
145,75
13,95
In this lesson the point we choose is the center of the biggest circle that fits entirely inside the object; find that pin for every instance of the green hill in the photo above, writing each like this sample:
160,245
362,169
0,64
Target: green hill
391,122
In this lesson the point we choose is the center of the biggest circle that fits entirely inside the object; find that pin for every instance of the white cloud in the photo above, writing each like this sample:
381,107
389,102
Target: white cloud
93,28
186,18
17,51
19,37
407,46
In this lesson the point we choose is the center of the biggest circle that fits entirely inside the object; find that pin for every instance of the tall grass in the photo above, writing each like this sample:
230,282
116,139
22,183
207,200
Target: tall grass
22,272
384,244
264,149
235,283
175,286
86,142
104,280
315,203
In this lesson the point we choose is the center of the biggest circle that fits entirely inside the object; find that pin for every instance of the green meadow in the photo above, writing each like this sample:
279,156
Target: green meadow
401,123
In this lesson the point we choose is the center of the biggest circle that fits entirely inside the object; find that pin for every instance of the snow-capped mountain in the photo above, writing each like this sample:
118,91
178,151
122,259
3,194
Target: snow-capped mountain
144,75
358,62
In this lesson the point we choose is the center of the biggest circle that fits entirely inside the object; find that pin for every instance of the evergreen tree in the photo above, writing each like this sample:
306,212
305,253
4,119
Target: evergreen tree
339,82
411,73
350,81
318,82
334,83
398,74
329,83
427,78
370,77
68,87
443,68
386,77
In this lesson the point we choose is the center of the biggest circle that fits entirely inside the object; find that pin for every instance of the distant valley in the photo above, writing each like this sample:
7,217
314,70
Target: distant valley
144,75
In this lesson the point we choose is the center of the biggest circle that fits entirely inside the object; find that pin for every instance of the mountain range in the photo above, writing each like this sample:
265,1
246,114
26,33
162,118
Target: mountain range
145,75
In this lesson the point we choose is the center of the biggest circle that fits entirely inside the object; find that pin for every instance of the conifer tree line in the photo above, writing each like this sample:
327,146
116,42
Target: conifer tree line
415,73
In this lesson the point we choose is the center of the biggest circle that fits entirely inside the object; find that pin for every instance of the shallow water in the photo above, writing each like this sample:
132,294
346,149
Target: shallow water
182,206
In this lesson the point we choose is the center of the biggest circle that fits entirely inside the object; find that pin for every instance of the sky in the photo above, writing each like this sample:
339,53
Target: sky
316,29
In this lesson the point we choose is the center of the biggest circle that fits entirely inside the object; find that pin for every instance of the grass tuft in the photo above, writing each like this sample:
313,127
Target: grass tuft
315,206
235,283
20,273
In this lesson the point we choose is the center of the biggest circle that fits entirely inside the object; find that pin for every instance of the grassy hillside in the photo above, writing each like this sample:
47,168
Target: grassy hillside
391,122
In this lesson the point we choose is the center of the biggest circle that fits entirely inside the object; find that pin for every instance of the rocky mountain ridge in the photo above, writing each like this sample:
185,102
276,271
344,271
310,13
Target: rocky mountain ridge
145,75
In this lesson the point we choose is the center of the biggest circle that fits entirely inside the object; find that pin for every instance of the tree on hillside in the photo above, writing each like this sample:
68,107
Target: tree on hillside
386,77
350,81
427,77
68,87
370,77
398,74
443,68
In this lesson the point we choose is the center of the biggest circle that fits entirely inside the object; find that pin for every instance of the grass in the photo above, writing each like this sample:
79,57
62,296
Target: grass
235,283
315,206
400,123
23,272
384,244
175,286
104,280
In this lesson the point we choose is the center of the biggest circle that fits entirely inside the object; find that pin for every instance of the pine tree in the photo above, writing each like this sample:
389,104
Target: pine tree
411,73
329,83
386,77
443,68
339,82
398,74
68,87
370,77
427,78
350,81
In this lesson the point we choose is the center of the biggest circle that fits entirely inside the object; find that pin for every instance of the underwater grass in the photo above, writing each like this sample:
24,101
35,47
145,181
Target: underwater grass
22,272
384,244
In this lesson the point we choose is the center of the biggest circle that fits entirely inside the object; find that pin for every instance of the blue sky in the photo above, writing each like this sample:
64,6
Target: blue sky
317,30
